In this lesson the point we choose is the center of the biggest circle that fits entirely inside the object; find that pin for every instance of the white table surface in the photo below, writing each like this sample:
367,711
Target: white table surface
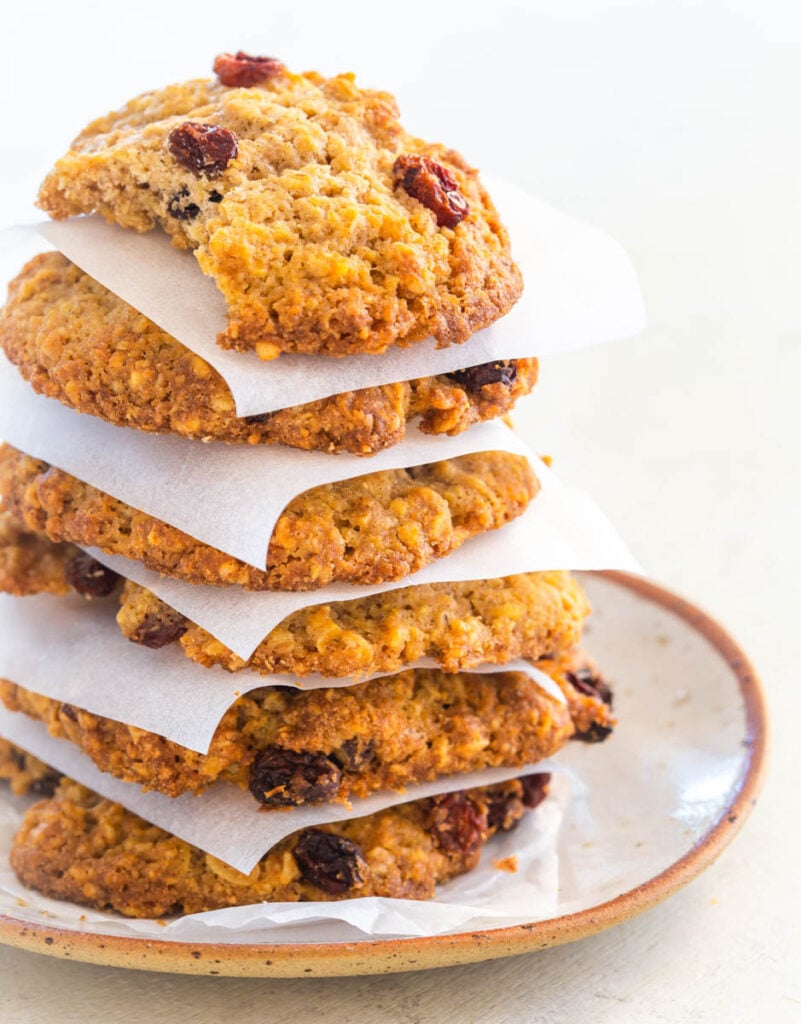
674,125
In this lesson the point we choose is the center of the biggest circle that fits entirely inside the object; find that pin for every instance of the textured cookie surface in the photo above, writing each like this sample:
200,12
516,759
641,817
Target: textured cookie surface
460,625
307,203
293,747
80,847
76,341
372,529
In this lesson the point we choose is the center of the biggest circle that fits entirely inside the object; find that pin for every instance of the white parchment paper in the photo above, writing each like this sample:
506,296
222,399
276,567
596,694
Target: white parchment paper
72,651
229,496
487,897
225,820
580,289
561,529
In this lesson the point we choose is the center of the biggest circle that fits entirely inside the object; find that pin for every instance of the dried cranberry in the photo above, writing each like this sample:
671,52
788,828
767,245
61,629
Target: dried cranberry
240,69
535,788
475,377
432,185
284,778
458,824
88,577
205,149
157,631
588,682
332,863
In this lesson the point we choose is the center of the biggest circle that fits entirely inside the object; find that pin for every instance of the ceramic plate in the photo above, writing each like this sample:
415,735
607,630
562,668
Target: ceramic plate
673,786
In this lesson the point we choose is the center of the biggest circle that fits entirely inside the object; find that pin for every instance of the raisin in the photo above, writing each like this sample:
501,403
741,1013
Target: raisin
458,824
475,377
45,785
261,417
432,185
240,69
159,630
179,208
285,778
354,754
504,809
215,196
332,863
588,682
535,788
204,149
88,577
596,733
69,712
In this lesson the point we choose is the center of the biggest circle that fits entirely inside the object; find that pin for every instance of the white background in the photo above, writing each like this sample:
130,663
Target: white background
675,126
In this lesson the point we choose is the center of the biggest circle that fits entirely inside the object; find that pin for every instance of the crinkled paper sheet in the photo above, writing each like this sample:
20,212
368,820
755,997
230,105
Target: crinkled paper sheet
581,289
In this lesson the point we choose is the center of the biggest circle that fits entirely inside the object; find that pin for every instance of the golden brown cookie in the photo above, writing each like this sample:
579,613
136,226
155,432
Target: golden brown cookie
460,625
78,846
26,773
292,747
371,529
325,225
77,342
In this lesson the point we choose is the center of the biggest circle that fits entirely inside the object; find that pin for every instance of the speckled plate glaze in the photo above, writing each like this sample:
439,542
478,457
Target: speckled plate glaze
672,788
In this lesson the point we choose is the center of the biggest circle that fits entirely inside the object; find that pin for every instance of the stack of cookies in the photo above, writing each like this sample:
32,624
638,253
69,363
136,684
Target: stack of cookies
330,232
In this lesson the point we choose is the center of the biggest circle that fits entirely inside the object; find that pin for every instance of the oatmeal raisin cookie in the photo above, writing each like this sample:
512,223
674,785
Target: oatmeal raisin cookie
292,747
78,846
77,342
325,225
460,625
371,529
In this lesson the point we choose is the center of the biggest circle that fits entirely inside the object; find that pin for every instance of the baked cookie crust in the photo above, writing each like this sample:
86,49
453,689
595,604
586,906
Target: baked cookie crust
293,747
460,625
80,847
371,529
297,196
77,342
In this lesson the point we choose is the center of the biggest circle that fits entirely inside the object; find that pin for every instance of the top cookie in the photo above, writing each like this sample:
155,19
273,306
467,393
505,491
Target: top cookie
324,224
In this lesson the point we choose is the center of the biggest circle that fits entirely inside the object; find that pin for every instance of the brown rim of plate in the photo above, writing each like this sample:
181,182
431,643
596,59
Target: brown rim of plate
386,956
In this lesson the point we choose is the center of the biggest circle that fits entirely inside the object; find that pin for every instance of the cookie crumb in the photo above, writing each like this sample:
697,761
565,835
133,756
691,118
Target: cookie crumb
505,863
